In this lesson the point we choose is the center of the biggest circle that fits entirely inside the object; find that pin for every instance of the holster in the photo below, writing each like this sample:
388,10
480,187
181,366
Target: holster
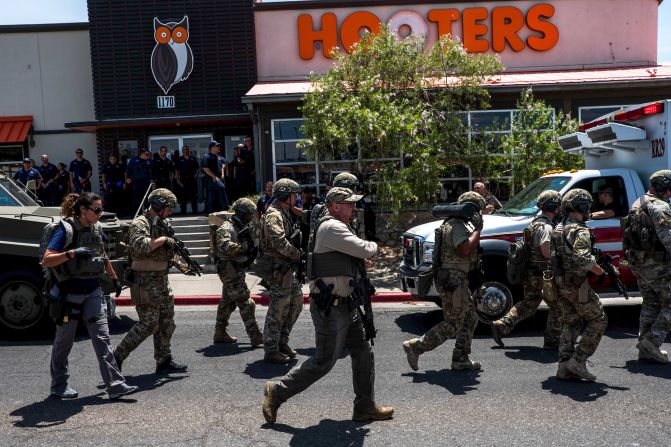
549,286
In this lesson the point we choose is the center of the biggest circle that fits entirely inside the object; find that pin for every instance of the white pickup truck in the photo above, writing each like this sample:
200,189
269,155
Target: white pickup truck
621,151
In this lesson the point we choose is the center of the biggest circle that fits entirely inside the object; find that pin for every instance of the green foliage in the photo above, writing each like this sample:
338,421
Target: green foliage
390,98
532,147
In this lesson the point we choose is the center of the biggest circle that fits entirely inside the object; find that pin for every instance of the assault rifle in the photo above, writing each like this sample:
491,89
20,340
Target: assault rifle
363,289
193,268
301,264
605,261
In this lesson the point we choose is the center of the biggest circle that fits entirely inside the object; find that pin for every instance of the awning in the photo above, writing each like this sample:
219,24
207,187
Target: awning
14,129
157,121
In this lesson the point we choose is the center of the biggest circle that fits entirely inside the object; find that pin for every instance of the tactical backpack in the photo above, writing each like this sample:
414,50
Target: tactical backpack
50,289
518,258
638,230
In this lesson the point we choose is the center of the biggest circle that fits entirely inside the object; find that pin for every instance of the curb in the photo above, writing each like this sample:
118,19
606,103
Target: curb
264,299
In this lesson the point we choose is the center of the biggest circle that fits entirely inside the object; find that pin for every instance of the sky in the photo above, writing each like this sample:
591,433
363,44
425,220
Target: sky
60,11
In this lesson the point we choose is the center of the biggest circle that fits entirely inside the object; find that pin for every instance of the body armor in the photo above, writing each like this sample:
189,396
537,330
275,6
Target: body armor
563,262
537,262
333,263
449,257
88,237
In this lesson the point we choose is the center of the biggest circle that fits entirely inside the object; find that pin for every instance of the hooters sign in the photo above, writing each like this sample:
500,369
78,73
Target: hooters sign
481,29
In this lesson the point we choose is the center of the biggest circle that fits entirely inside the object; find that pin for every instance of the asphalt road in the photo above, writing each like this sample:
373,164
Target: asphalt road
515,400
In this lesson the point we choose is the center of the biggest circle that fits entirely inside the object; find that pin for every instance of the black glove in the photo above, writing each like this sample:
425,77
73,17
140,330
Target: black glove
117,288
82,253
170,242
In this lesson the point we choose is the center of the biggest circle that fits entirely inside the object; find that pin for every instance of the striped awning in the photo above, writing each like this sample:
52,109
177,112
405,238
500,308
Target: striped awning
14,129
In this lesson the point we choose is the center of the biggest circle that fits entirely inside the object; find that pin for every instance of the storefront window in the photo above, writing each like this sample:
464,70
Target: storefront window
587,114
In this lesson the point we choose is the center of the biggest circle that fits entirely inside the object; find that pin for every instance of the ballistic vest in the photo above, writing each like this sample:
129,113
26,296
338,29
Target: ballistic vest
84,237
537,262
563,257
332,263
449,257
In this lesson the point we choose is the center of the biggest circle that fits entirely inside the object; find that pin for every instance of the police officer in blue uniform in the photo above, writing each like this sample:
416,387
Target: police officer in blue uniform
80,172
139,174
113,183
26,174
214,167
47,191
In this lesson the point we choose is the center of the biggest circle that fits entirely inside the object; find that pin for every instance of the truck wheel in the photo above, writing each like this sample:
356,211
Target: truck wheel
22,307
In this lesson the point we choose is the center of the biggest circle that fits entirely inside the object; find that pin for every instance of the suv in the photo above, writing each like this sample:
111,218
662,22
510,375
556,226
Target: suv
22,305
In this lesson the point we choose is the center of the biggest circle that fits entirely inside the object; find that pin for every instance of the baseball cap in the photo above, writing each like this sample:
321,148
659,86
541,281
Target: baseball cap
339,194
26,160
213,143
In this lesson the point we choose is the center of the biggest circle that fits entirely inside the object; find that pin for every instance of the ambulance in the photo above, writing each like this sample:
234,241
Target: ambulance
621,151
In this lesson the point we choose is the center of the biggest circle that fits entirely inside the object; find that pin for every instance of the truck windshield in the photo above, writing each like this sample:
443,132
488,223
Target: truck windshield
12,195
524,203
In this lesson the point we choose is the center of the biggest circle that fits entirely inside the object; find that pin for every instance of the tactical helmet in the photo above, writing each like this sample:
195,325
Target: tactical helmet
661,180
243,206
346,180
284,187
549,200
162,198
578,200
474,198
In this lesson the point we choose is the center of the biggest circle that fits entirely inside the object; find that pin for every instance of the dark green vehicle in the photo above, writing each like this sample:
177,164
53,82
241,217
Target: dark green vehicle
22,307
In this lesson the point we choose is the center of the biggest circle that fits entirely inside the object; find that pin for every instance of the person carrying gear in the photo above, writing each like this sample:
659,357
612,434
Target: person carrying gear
152,253
336,254
650,265
235,250
536,238
573,261
276,265
459,244
77,268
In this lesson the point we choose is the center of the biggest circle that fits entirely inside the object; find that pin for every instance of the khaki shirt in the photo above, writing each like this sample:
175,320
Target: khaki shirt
334,235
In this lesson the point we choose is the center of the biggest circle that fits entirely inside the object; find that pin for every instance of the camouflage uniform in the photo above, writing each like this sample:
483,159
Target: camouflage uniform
232,254
150,292
286,295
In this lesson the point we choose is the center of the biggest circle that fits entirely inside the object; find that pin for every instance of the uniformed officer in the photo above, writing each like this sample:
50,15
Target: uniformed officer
572,249
537,241
276,265
235,250
458,256
652,270
76,257
47,190
139,174
80,172
113,183
335,257
152,253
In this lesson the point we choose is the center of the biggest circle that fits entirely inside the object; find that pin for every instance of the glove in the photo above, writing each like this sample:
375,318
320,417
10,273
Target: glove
477,221
170,242
117,288
82,253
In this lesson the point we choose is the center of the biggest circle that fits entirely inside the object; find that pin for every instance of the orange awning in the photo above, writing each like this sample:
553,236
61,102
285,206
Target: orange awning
14,129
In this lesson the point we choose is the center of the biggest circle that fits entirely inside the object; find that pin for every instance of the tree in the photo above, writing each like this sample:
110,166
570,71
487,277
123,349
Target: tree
390,99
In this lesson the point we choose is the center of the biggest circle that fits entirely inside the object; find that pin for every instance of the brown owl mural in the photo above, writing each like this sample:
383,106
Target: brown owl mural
172,58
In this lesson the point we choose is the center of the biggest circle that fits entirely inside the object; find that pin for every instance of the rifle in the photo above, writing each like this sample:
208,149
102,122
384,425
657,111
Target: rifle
301,264
363,289
605,261
193,268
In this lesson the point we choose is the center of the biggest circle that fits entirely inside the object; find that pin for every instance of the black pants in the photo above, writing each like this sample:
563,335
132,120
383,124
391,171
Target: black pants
188,195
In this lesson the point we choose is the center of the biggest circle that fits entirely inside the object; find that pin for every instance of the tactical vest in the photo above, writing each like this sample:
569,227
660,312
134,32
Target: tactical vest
449,257
537,262
84,237
639,236
164,253
332,263
264,242
236,226
563,258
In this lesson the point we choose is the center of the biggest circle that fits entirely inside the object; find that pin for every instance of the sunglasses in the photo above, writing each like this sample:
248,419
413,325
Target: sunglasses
98,210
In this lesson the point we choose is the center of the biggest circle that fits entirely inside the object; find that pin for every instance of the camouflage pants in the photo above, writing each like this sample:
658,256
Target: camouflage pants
458,314
580,304
234,294
155,307
654,281
533,294
285,306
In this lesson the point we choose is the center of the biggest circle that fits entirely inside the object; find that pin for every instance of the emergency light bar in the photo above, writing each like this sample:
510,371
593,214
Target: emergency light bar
615,133
574,142
626,116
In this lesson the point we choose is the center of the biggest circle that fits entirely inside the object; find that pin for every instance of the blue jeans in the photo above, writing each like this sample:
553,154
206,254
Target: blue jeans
216,197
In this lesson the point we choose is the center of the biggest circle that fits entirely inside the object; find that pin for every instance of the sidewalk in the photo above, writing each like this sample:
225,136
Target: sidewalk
206,289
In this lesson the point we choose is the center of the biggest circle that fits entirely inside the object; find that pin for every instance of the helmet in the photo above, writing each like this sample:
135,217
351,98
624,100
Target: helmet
578,200
549,201
162,198
346,180
243,206
661,180
474,198
284,187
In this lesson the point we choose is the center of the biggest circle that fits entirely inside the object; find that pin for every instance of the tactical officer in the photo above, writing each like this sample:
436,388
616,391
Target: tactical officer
652,271
537,243
152,253
335,256
572,255
277,267
235,250
459,244
76,258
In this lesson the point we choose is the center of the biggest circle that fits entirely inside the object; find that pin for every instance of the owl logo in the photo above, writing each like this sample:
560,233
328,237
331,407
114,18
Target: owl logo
172,58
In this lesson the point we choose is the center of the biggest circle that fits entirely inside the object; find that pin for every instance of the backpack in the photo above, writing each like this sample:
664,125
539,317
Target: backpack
518,257
50,289
638,230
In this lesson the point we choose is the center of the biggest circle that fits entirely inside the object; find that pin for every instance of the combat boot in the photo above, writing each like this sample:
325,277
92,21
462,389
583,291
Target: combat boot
463,362
269,405
221,335
255,337
168,366
286,350
647,350
411,353
373,414
497,333
563,373
276,357
579,369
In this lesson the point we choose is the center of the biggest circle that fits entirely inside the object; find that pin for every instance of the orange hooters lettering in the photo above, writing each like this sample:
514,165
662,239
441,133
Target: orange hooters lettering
548,30
499,27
